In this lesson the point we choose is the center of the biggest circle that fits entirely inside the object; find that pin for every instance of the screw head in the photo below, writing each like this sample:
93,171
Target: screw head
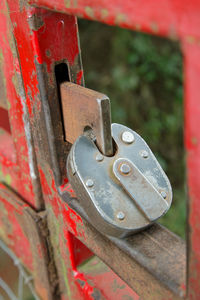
120,215
163,194
99,157
127,137
89,183
125,168
144,154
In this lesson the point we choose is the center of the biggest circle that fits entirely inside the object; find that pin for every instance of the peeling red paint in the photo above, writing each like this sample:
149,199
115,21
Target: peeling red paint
79,77
180,16
66,187
15,166
16,237
43,37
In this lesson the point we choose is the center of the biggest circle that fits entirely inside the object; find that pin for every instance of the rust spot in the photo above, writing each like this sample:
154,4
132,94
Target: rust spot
172,33
194,140
89,11
67,3
81,282
35,22
3,98
17,82
116,286
190,39
127,297
120,18
22,3
6,226
48,53
104,13
96,295
154,27
75,4
138,27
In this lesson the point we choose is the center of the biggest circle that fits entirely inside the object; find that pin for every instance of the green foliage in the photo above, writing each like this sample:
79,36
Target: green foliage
142,75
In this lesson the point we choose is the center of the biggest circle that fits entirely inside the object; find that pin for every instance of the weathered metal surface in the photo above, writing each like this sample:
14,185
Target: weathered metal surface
33,54
135,259
140,189
118,205
19,171
110,285
3,100
85,109
26,233
59,218
192,141
164,17
45,273
12,210
43,28
45,37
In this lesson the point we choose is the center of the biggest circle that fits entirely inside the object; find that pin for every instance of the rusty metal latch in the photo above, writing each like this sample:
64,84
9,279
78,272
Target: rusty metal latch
89,111
119,182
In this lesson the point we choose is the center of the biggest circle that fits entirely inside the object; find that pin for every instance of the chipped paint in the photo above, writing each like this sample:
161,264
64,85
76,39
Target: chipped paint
58,245
104,13
35,22
67,3
138,27
190,39
194,140
27,129
3,99
48,53
89,11
5,177
119,19
154,27
33,45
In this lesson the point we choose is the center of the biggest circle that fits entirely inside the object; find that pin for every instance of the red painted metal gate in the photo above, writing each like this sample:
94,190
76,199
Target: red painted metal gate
38,40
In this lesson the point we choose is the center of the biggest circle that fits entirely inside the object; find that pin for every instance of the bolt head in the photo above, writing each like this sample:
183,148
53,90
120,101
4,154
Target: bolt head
144,154
163,194
89,183
127,137
120,215
125,168
99,157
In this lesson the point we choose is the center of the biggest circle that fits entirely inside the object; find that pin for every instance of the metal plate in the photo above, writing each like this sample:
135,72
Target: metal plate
91,109
148,199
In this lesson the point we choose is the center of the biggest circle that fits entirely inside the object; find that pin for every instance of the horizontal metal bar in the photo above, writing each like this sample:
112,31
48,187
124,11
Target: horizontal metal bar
160,17
152,262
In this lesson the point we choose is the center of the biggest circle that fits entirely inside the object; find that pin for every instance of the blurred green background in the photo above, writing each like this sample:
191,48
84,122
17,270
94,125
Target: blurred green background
142,75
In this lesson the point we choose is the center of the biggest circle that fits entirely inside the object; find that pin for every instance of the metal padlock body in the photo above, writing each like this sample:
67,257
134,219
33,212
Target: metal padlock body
109,207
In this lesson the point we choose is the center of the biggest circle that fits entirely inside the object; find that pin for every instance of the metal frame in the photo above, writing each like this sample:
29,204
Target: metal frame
36,36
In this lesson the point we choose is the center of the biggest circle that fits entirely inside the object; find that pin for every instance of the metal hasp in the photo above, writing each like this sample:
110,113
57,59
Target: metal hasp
140,189
85,109
121,194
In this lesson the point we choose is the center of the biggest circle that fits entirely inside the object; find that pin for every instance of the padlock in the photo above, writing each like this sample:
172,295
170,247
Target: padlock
123,192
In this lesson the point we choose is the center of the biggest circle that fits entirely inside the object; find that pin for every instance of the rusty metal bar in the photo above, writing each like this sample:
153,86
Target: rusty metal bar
152,262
